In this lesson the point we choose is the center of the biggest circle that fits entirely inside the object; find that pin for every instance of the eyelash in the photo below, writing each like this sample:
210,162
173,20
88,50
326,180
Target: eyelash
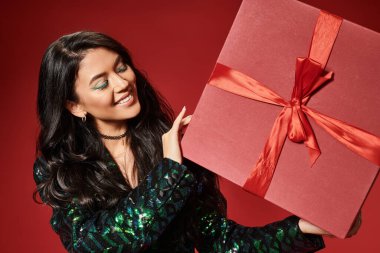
105,83
101,87
124,67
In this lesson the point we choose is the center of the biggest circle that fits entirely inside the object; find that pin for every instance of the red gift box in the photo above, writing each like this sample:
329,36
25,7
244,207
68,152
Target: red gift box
290,112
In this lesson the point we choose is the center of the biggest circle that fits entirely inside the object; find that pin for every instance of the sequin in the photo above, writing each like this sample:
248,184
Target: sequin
149,219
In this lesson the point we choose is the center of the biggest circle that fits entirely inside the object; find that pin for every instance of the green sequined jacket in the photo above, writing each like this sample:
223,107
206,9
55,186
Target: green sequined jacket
151,218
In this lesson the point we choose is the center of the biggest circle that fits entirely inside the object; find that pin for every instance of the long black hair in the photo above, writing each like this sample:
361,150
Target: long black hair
73,150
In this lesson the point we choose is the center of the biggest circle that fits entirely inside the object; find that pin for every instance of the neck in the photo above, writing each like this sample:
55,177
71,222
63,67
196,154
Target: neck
116,147
113,128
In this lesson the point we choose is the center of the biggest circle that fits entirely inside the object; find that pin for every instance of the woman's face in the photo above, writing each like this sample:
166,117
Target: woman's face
106,88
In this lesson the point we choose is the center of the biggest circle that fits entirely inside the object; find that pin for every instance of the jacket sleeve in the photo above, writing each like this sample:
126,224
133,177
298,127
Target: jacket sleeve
220,234
135,222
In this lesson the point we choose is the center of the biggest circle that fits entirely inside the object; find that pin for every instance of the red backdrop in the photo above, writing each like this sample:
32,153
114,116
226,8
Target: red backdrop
177,44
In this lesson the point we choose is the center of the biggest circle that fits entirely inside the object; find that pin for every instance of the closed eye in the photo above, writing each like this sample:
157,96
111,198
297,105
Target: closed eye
122,69
102,85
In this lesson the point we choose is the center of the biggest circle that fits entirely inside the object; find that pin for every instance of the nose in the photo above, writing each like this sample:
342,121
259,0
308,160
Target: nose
120,83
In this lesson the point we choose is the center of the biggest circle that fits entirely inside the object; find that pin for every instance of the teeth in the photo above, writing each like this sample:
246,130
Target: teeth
125,99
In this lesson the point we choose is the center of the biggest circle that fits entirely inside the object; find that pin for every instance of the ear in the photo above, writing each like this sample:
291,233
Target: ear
75,109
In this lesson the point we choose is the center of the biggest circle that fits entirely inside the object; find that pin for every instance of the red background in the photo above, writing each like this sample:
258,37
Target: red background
177,43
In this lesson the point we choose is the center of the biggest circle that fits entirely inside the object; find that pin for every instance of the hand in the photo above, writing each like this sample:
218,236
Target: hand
171,139
355,225
307,227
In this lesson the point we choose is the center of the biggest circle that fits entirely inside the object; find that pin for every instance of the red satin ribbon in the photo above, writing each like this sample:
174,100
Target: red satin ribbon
292,121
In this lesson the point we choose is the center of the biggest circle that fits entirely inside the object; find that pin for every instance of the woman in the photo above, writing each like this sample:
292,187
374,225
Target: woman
109,163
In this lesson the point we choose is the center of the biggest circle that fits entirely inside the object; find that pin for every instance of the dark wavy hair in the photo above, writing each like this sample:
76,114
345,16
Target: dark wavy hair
73,150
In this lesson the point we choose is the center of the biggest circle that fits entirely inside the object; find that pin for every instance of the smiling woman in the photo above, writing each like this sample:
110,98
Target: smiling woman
110,165
108,96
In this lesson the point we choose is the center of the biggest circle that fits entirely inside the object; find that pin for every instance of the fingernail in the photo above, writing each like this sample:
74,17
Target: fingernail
184,107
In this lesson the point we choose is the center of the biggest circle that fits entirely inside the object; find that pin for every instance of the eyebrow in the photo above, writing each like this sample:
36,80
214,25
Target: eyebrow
103,73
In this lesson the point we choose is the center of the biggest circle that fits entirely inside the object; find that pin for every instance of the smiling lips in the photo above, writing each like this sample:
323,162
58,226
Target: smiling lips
125,100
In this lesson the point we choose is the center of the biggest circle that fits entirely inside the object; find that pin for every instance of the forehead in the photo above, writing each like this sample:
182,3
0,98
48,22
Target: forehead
95,61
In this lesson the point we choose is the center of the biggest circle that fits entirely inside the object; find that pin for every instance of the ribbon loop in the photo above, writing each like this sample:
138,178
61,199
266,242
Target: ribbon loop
308,75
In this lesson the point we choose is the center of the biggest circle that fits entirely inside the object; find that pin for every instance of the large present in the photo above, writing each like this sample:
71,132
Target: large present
291,111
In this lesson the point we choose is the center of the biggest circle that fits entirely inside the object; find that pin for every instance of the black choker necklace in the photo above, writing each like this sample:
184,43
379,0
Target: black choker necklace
109,137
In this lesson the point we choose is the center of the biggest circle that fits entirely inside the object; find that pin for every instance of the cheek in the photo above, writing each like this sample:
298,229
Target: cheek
134,77
100,99
96,100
